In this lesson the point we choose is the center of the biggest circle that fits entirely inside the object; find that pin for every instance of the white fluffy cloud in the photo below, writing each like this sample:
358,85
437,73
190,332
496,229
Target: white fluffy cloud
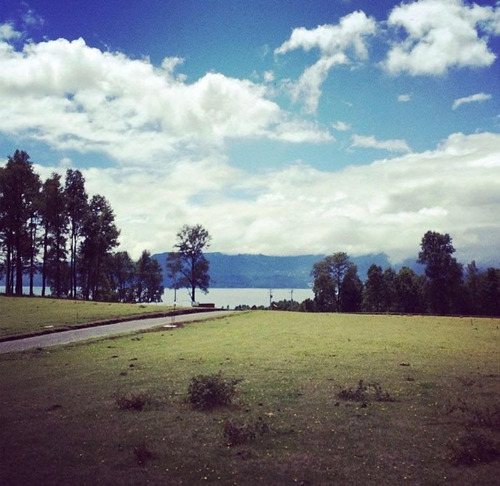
471,99
386,206
336,44
395,145
72,96
441,34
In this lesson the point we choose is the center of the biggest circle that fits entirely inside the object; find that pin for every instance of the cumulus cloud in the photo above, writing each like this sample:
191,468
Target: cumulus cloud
338,44
404,98
471,99
75,97
370,141
441,34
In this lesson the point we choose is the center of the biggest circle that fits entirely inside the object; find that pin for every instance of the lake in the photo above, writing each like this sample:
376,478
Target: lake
235,297
225,297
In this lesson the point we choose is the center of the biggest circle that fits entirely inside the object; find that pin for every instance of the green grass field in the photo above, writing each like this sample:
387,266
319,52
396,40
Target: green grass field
20,316
438,378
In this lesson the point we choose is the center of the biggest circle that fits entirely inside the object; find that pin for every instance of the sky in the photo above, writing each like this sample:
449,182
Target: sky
283,127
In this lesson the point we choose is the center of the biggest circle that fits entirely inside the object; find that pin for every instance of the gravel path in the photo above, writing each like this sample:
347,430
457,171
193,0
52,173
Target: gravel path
66,337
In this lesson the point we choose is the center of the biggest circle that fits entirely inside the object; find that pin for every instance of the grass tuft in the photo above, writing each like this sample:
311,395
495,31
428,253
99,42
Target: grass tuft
365,393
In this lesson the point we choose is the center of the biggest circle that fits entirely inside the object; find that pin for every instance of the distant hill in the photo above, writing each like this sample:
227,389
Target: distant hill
262,271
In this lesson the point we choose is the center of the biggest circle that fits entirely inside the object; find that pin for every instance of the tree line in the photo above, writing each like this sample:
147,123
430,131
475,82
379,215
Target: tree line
445,288
54,228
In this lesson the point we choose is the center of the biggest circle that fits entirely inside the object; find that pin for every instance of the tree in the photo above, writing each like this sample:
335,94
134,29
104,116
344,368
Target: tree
323,288
490,292
408,291
472,284
77,209
148,279
187,266
389,293
441,269
100,236
121,270
19,187
351,290
374,297
52,208
328,277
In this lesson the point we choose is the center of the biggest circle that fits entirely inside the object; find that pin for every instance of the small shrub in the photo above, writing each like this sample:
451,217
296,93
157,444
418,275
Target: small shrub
365,393
473,448
133,401
209,391
237,434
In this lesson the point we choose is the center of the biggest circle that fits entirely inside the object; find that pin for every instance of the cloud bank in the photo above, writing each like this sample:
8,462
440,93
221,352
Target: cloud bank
385,206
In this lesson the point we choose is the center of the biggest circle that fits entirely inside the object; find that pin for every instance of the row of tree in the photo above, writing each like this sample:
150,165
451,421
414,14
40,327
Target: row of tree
445,288
54,228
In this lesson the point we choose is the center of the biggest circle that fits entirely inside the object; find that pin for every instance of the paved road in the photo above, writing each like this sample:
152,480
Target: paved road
66,337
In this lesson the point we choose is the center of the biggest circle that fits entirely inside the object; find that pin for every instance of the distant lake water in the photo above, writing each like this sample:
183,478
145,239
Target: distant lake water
235,297
223,297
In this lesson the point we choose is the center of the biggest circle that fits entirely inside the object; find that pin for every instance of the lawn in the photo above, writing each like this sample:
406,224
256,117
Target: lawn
427,406
21,316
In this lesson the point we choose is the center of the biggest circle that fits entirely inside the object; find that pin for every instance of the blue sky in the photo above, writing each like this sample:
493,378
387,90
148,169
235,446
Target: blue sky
284,127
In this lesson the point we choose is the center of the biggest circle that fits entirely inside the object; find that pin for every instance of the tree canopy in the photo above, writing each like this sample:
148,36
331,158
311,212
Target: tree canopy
443,272
336,283
187,265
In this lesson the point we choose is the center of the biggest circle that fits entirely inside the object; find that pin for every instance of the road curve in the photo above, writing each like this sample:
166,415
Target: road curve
66,337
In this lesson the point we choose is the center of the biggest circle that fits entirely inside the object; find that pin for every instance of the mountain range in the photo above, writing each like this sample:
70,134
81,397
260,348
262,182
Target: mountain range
263,271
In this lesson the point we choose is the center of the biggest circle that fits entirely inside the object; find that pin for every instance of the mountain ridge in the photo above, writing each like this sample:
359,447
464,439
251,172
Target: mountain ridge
264,271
